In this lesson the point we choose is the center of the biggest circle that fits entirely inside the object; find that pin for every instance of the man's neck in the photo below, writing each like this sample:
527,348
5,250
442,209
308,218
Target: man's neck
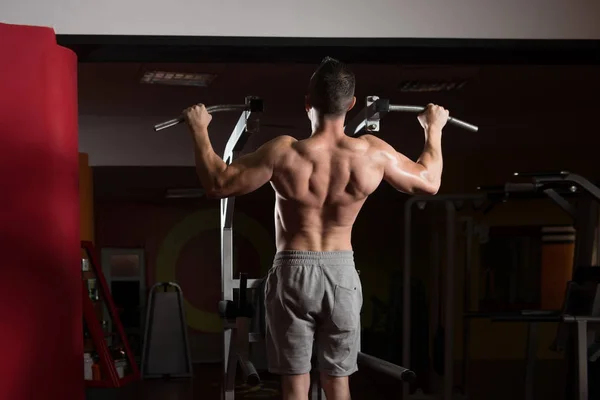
331,126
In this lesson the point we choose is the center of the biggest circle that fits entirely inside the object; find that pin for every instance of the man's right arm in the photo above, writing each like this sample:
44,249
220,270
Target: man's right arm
425,175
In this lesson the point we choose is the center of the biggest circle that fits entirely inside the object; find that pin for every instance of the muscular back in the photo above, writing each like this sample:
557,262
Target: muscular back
321,184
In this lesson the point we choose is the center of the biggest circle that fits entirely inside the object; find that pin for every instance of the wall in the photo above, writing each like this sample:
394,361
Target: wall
519,109
510,19
86,199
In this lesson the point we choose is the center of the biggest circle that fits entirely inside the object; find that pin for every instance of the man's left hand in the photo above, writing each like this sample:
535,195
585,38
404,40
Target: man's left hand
197,117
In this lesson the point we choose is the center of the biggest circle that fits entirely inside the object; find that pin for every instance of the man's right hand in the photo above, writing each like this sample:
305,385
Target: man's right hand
434,116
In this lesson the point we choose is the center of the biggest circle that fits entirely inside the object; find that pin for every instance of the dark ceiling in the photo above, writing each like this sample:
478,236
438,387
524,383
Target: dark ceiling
116,48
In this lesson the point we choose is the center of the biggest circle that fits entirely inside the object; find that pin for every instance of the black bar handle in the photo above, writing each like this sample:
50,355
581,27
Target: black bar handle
386,367
511,187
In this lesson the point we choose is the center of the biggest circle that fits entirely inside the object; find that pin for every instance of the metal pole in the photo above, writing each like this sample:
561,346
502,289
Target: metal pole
449,301
228,283
582,367
531,352
466,301
406,272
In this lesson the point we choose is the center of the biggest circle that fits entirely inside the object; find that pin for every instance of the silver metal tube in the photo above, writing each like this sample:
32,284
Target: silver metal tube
386,367
210,109
419,109
236,134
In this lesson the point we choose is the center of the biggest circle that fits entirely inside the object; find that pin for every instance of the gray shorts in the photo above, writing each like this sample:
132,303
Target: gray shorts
313,297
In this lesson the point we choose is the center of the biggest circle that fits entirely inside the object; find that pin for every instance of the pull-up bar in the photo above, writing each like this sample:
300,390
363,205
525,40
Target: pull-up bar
369,118
254,105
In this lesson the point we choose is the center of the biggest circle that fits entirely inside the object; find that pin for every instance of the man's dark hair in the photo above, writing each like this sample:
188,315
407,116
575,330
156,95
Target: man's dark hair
331,88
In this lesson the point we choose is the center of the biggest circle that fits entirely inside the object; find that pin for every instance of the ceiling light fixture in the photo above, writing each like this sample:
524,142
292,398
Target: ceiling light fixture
178,78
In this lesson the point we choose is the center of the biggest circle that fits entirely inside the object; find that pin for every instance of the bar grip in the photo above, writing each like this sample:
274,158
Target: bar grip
168,124
210,109
510,187
386,367
419,109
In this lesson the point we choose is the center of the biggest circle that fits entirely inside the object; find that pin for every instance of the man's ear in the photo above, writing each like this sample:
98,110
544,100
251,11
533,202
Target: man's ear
307,105
352,103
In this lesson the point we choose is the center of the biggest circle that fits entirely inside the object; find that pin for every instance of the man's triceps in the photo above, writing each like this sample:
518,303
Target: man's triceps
248,173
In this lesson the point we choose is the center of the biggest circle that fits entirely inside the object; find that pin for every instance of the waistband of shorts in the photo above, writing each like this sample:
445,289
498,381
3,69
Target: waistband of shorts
323,258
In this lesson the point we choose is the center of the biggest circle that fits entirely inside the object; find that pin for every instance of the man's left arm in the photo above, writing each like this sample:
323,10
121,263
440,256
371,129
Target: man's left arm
243,175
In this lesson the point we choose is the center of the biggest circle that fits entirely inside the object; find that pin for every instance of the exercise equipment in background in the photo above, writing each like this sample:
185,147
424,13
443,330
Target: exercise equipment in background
166,352
581,349
98,305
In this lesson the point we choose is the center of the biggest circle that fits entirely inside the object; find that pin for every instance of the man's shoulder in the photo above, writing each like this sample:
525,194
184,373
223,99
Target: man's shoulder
279,147
369,138
373,142
282,141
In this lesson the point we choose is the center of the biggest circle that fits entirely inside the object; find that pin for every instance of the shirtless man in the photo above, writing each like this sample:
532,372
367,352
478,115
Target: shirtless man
313,292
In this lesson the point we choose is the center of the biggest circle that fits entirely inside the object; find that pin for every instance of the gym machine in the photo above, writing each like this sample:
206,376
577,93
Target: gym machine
236,317
236,325
451,203
558,187
581,305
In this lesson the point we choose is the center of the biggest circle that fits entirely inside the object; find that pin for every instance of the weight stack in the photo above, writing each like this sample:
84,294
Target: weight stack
166,351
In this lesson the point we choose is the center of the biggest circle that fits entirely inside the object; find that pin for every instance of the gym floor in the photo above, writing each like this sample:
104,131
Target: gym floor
205,386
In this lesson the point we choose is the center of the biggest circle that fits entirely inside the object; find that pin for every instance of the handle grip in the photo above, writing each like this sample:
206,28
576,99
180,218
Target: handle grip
451,120
520,187
168,124
386,367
